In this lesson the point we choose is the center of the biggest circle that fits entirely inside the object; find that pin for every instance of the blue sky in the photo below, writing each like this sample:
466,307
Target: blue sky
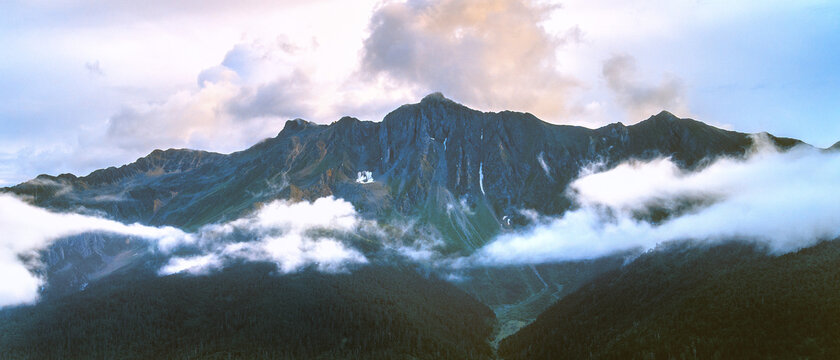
88,84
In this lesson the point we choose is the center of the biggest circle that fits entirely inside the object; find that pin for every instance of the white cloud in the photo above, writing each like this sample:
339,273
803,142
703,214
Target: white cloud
292,235
293,251
187,119
326,212
247,97
27,229
420,252
201,264
786,200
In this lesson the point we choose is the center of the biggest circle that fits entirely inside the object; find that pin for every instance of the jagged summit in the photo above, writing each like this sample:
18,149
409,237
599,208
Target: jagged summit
347,119
425,157
436,110
435,96
297,124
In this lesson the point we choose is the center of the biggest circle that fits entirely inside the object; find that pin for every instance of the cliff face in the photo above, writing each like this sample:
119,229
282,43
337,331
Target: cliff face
462,172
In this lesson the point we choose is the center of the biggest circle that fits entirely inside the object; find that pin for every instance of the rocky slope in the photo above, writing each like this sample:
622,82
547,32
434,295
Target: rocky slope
463,172
456,174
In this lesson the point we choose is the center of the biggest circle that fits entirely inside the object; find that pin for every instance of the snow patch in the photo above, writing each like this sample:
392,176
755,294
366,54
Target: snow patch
541,160
364,177
481,177
444,143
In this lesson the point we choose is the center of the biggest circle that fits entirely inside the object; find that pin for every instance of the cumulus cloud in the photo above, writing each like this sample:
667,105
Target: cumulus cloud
185,119
286,96
27,229
639,99
292,235
232,107
491,54
787,200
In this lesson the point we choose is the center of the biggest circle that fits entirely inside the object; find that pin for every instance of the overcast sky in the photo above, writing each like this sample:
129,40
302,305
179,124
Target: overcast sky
89,84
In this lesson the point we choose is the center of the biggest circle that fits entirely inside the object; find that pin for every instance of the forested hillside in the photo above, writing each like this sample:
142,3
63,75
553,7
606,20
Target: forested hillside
730,301
247,312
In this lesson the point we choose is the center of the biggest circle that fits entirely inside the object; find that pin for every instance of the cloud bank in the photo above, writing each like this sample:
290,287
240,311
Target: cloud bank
27,229
292,235
787,200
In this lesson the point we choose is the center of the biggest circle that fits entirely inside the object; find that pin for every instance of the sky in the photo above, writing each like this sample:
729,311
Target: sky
89,84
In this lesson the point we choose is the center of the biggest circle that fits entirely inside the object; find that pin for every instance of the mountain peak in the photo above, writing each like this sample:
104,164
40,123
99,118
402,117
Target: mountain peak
297,124
836,146
435,97
437,108
346,119
665,115
663,118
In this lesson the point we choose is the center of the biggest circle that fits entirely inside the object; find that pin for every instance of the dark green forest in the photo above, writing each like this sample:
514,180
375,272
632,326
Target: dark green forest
733,300
683,301
249,312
